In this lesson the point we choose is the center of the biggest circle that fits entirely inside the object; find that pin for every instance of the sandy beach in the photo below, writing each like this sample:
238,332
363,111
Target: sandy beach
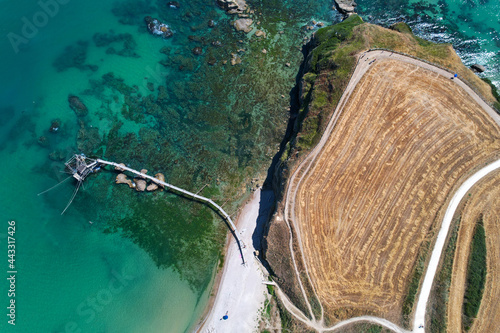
241,293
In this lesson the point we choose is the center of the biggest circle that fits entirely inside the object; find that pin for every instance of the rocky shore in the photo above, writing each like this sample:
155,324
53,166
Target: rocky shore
346,7
232,6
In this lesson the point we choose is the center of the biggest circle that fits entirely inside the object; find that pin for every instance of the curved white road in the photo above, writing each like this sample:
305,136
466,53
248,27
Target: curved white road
438,247
419,319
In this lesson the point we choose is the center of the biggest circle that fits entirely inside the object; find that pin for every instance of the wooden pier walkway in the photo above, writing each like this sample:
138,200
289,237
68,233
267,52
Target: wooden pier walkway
208,201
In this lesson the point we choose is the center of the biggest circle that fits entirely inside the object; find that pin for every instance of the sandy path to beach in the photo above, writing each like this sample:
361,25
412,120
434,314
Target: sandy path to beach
241,292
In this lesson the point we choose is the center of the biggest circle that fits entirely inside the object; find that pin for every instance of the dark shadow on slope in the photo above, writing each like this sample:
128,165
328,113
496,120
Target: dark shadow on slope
270,194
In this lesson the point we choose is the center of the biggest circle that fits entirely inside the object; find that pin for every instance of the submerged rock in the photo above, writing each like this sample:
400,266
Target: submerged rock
55,126
211,60
260,33
74,56
77,105
111,38
158,28
57,155
197,50
235,59
43,141
243,24
211,23
88,139
174,4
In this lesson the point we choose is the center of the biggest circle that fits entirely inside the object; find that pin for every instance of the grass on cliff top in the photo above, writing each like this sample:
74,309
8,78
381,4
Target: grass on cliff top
333,58
329,66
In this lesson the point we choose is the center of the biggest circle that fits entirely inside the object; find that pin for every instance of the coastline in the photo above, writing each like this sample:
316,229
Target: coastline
238,289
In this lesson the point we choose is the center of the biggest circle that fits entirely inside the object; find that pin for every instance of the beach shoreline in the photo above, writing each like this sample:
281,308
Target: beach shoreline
238,291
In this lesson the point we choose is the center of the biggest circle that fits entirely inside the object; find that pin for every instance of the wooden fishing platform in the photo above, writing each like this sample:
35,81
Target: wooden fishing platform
81,166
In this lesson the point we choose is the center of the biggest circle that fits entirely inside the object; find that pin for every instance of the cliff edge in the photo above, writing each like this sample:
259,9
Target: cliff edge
332,55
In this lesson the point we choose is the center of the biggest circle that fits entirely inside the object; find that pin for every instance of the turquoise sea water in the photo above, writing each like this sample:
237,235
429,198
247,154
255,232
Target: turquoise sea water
472,26
147,262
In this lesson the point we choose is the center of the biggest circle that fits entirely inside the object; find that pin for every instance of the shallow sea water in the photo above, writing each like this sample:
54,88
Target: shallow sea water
147,262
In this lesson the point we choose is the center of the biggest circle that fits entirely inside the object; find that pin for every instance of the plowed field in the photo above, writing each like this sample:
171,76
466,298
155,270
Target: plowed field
402,142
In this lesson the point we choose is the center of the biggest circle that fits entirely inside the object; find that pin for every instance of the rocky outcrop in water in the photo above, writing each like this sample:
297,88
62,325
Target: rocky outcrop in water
243,24
55,126
346,7
235,59
77,105
140,185
197,50
121,178
152,187
158,28
478,68
232,6
160,177
174,4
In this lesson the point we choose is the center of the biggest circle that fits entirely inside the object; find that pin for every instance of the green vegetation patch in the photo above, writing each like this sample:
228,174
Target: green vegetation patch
476,276
418,272
402,27
494,91
329,67
332,60
441,291
365,328
328,39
